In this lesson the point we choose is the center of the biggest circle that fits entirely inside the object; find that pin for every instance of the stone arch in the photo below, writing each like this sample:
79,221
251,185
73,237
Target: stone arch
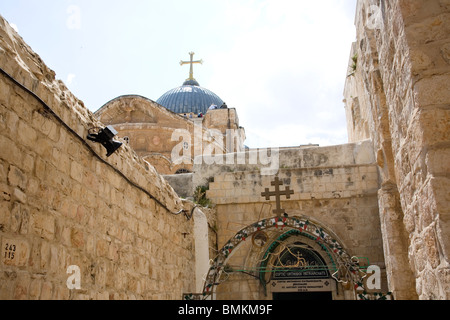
344,267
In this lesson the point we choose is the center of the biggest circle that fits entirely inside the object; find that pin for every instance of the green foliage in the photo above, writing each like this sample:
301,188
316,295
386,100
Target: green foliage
353,67
200,196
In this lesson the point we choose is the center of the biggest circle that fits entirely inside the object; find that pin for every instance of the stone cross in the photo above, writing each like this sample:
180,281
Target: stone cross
191,62
277,193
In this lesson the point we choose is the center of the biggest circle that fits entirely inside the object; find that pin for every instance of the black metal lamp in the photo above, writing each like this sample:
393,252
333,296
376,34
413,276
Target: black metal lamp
105,137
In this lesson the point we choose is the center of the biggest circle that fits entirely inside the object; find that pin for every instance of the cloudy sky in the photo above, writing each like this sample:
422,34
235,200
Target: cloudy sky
281,63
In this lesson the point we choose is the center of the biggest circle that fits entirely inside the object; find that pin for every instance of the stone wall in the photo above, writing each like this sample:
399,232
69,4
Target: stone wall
148,128
181,183
284,158
63,203
399,97
167,140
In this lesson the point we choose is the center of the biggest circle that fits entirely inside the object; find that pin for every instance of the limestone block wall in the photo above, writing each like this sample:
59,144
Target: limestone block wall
360,152
148,129
161,136
221,119
401,88
63,203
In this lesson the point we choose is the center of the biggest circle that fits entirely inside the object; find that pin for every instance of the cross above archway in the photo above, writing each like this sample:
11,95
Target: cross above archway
277,194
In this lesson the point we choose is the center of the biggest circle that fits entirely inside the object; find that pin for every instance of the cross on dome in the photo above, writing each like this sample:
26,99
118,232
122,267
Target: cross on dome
191,63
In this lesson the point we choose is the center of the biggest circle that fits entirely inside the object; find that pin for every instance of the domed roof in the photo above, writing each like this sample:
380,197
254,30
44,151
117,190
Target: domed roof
189,97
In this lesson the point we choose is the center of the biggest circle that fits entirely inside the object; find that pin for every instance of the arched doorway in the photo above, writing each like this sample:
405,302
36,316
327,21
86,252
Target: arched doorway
297,268
341,267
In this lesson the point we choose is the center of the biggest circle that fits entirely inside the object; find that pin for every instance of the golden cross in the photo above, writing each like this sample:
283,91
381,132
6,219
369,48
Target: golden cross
277,193
191,72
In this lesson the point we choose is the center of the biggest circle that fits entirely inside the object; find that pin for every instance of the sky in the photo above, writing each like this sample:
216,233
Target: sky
281,63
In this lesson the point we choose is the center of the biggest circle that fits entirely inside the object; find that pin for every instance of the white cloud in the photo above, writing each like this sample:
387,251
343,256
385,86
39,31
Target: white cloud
14,26
286,69
70,78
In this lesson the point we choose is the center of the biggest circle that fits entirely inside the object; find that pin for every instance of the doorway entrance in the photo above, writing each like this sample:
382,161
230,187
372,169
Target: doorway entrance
299,272
303,296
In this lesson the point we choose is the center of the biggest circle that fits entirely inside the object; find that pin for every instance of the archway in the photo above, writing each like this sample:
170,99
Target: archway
296,267
342,267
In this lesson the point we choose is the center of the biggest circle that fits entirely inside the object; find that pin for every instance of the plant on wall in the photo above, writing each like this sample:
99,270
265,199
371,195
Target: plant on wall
354,65
200,196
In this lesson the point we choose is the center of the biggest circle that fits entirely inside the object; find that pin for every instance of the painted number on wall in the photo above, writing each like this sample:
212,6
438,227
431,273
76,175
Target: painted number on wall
10,251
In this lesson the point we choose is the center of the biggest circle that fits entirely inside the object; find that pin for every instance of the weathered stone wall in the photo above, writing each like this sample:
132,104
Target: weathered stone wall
275,158
227,122
63,203
399,97
181,183
160,136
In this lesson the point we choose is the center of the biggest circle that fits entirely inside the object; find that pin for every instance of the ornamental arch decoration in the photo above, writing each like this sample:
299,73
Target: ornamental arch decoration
344,268
292,255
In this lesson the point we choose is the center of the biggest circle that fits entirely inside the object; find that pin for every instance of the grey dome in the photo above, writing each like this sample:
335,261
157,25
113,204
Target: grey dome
190,97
